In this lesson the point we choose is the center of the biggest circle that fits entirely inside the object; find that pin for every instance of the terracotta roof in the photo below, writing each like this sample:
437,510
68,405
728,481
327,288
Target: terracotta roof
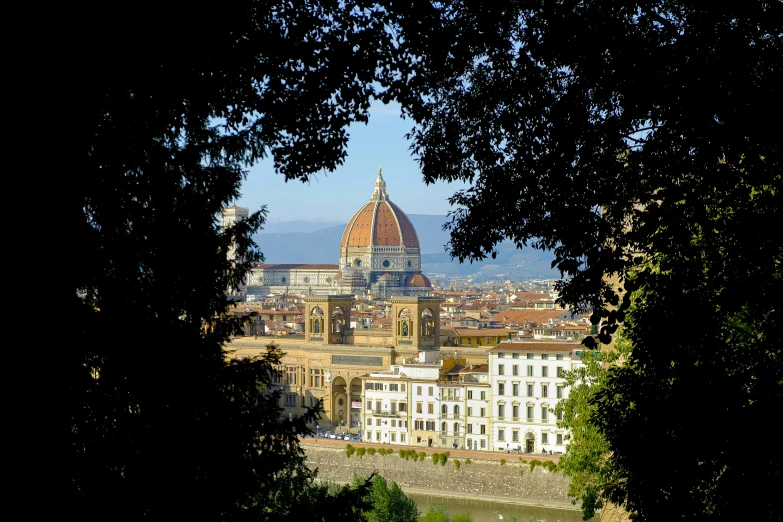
527,316
379,223
417,281
476,368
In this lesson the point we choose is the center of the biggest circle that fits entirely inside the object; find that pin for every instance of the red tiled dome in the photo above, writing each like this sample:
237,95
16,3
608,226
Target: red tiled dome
380,223
417,281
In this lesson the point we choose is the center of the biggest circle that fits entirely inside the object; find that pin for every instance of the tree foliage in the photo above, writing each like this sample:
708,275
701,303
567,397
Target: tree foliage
388,502
173,104
586,458
639,141
663,115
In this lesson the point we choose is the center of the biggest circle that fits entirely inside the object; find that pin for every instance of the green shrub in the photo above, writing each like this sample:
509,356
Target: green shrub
360,452
468,461
534,463
502,462
549,466
422,455
523,461
435,458
371,451
349,450
462,517
457,463
443,457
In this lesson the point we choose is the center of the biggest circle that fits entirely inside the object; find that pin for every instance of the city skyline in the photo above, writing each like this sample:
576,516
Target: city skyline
335,196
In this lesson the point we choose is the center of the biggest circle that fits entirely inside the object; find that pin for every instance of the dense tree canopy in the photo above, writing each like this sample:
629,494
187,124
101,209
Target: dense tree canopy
173,103
639,139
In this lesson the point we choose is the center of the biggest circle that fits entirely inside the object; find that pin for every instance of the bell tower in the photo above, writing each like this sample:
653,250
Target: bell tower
416,322
327,318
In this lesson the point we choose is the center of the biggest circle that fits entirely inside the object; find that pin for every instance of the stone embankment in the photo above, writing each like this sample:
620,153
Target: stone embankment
484,478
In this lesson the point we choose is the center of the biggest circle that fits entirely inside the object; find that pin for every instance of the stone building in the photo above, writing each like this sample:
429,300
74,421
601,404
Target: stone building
328,365
379,256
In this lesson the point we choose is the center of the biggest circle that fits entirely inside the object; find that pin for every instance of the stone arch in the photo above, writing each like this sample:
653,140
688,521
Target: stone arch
405,323
427,321
339,400
338,319
317,320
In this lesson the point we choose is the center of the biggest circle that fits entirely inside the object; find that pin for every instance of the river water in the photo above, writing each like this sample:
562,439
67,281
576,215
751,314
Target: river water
486,511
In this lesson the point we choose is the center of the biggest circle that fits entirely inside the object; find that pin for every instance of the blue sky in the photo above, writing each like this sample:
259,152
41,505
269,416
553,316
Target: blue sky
336,196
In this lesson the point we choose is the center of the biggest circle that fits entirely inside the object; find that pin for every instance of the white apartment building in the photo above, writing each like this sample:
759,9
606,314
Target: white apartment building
452,414
425,413
477,407
400,406
526,386
385,416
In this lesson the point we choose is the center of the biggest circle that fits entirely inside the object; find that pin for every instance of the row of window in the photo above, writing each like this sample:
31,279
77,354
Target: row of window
544,390
544,356
394,406
515,437
393,423
295,376
515,370
380,386
290,400
393,436
424,425
530,409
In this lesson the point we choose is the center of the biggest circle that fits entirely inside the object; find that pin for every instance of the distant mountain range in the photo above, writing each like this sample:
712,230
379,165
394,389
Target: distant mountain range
312,242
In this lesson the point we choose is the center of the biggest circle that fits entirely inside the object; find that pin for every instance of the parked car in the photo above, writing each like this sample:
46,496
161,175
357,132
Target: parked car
347,436
356,438
330,435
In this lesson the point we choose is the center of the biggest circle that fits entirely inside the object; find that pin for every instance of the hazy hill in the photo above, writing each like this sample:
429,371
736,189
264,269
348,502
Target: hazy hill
292,243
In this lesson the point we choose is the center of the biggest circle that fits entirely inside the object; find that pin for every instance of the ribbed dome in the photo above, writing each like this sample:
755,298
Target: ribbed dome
380,223
417,281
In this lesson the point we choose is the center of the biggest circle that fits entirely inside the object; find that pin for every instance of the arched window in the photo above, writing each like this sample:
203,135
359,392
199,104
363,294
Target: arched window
427,323
338,319
444,409
456,409
456,428
443,427
404,322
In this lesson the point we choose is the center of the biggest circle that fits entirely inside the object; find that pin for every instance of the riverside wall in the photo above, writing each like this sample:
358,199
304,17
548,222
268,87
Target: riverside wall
483,478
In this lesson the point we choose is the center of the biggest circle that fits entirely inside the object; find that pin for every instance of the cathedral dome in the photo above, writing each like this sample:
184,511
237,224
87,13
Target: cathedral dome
417,281
380,223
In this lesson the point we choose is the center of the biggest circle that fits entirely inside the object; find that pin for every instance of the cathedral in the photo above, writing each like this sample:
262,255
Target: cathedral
379,257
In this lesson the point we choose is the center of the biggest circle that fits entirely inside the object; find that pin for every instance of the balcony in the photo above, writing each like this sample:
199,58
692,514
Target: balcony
454,416
384,413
